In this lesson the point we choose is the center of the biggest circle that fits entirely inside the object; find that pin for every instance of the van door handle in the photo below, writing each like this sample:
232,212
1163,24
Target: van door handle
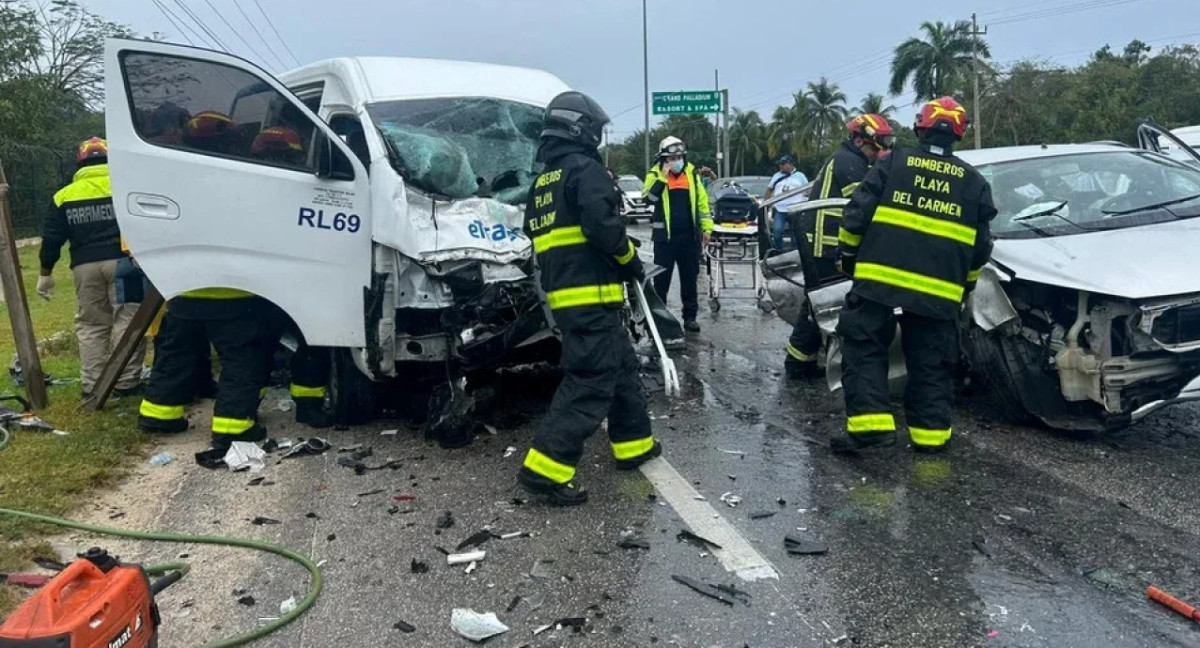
152,206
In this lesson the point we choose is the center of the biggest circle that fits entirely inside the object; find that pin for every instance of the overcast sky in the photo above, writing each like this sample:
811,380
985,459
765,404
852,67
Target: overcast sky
765,50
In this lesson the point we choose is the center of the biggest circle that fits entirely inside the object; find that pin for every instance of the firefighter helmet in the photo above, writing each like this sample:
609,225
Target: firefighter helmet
671,145
209,124
275,140
91,151
576,117
874,128
943,114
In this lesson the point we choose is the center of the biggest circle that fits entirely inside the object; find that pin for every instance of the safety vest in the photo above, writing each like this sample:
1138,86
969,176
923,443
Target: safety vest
838,179
926,236
697,197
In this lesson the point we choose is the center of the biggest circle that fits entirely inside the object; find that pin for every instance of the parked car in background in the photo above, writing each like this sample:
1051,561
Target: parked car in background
1087,317
756,186
635,206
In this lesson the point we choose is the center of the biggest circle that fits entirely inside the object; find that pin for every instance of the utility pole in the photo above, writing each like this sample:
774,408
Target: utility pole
725,106
646,82
717,119
975,34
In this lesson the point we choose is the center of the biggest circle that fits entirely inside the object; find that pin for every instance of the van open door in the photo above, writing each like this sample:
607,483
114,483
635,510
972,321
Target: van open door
222,178
1150,137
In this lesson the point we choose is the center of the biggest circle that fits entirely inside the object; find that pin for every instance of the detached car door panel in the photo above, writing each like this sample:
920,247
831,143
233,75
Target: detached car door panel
222,178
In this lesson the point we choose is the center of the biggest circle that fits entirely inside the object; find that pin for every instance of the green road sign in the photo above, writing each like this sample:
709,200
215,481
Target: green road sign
686,103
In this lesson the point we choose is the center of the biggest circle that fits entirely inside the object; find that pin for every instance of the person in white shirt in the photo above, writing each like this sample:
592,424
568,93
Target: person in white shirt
785,180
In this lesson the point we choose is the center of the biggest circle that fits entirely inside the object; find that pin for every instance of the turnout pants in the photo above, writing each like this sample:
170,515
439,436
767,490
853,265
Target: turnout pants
100,320
202,382
685,254
930,346
600,379
243,343
310,368
805,340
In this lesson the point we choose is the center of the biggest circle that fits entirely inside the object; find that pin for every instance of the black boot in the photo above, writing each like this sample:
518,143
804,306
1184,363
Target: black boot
253,435
691,325
634,462
160,426
801,370
312,413
927,449
568,494
851,443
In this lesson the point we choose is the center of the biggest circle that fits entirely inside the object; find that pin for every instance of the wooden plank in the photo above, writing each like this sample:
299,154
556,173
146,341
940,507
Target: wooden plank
18,306
126,346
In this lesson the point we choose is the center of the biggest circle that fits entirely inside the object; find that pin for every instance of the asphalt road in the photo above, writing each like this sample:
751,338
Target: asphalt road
1018,537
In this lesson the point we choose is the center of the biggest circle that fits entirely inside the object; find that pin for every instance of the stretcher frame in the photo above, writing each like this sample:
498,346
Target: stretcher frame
735,246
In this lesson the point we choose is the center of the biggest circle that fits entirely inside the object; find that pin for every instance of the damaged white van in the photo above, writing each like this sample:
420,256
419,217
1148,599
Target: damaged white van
377,201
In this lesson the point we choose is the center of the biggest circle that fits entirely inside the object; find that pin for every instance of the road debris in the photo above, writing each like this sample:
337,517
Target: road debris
285,405
246,600
405,498
736,593
404,627
372,492
731,499
704,588
475,626
512,605
470,568
781,502
475,540
259,521
510,451
633,542
733,452
541,569
703,543
389,433
162,459
243,455
514,534
288,606
800,547
419,567
761,515
307,448
446,520
981,545
1159,596
464,558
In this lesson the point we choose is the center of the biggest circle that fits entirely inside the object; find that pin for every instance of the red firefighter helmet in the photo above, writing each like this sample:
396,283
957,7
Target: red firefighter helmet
874,128
209,124
92,149
944,114
277,140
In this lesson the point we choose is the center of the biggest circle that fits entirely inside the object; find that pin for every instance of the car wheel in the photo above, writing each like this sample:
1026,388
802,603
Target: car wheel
351,392
987,356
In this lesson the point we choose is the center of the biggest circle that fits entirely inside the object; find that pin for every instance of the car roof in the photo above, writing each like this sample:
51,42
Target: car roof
978,157
377,78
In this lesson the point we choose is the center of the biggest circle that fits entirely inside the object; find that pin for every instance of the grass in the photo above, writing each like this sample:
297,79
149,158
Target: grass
51,474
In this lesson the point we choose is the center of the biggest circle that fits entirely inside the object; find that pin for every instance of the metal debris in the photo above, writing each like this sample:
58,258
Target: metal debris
703,588
475,540
476,626
404,627
800,547
981,545
731,499
761,515
703,543
514,534
633,542
372,492
464,558
259,521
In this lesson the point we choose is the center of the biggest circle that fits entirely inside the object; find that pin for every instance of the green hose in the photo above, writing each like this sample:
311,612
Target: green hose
241,640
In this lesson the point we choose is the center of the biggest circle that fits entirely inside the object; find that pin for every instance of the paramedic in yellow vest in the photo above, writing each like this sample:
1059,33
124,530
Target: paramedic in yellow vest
84,216
681,224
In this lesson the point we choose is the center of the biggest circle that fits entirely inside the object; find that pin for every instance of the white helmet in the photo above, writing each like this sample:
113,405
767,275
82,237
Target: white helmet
671,145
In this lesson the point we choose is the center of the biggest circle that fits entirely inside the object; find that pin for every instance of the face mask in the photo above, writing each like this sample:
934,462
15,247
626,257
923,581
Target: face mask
677,166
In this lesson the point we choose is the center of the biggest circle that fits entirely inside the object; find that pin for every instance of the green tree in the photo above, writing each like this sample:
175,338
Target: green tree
937,65
823,111
747,140
873,104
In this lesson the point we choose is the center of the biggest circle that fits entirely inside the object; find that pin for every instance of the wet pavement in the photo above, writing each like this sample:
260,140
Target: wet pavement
1019,537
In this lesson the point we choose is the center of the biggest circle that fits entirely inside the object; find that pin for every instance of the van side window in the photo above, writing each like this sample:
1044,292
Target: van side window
217,110
350,129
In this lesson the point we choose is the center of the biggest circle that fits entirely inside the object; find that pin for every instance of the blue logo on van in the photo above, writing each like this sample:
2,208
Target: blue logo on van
497,232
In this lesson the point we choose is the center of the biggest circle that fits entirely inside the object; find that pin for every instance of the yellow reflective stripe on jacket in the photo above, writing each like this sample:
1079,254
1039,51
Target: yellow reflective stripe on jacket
798,354
89,183
974,275
300,391
909,280
924,224
631,449
928,437
846,237
822,214
555,471
586,296
217,293
871,423
160,412
224,425
849,189
628,256
559,237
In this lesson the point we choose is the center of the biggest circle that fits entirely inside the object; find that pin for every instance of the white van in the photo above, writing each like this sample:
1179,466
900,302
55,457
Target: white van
387,225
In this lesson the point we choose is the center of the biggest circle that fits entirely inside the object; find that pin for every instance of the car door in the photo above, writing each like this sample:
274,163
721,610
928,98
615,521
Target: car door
1149,138
223,178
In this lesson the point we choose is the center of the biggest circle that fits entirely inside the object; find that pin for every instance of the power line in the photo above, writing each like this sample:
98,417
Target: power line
1060,11
245,42
171,20
259,34
271,24
202,25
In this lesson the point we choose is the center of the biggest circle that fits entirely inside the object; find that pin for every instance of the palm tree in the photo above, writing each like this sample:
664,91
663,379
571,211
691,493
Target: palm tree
746,135
938,64
872,104
823,107
787,130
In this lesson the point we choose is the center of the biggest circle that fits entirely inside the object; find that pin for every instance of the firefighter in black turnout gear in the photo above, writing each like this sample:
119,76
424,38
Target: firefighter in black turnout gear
582,252
914,237
870,135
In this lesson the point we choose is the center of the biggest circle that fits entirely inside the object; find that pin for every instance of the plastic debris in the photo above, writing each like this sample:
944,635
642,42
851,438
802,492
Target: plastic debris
699,498
288,606
212,458
514,534
243,455
633,542
993,634
762,515
406,628
541,569
285,405
732,452
246,600
445,520
475,540
470,568
259,521
389,433
781,502
540,629
731,499
162,459
699,541
476,626
464,558
313,446
981,545
510,451
1159,596
419,567
405,498
512,605
372,492
703,588
800,547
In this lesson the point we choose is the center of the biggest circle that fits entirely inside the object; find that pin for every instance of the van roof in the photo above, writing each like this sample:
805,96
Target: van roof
376,78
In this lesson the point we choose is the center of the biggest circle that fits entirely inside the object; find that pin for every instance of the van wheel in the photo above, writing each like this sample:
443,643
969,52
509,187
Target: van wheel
352,393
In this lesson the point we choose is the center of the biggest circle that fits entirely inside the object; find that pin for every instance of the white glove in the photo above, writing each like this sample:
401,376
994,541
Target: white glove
45,287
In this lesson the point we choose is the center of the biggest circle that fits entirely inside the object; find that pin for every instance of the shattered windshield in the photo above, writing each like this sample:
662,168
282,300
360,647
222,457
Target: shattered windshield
462,146
1073,194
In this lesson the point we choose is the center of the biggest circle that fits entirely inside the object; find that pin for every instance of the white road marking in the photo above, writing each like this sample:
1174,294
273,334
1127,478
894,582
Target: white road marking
735,553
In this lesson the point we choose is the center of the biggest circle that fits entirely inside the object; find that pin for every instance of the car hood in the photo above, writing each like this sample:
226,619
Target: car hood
1136,262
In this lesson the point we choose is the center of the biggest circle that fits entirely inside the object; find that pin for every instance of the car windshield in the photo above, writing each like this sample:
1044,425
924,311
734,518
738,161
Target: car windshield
1072,194
463,146
630,184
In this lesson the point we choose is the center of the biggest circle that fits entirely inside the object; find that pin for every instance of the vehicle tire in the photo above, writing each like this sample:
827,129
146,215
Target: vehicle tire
987,355
714,305
352,393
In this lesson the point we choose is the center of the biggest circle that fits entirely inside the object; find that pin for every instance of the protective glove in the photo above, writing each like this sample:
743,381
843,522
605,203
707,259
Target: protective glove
845,262
656,191
45,287
635,270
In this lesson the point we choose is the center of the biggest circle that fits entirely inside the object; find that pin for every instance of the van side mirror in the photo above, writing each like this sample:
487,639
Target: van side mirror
331,163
